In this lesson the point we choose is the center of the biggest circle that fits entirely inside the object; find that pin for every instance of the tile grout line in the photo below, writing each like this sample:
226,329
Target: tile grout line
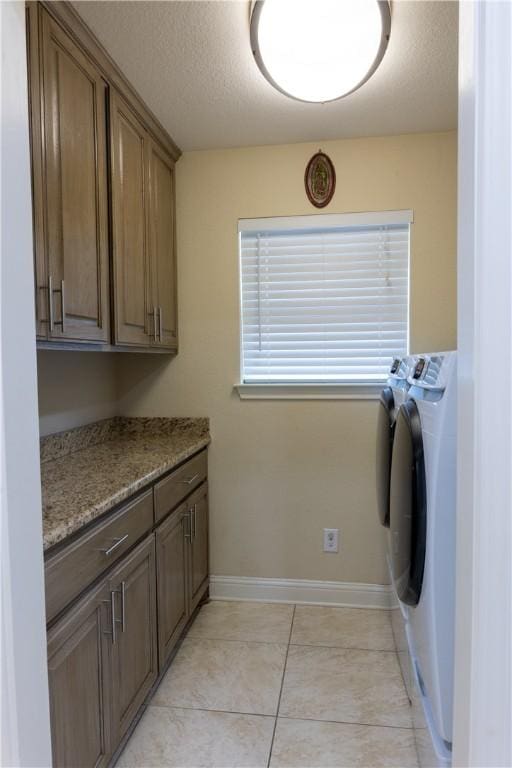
296,645
234,640
217,711
407,728
281,688
283,717
343,648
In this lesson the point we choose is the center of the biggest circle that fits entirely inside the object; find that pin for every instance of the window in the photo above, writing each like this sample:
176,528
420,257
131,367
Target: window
325,298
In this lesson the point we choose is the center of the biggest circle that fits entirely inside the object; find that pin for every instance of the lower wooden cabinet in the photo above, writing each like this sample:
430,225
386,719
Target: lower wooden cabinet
171,569
182,568
198,570
134,645
79,674
102,662
108,647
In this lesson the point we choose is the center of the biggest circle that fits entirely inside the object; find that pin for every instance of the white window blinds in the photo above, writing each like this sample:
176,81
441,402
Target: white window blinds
324,298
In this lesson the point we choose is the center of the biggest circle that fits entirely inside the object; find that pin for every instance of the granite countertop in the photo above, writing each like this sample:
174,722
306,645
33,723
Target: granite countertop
87,471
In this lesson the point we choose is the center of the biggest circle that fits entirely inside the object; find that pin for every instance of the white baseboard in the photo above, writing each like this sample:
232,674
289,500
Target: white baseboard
339,593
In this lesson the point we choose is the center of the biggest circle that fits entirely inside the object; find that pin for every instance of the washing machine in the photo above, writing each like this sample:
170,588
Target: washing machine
392,397
422,539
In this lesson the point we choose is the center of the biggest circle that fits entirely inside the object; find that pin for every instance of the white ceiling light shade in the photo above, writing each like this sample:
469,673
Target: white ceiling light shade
319,50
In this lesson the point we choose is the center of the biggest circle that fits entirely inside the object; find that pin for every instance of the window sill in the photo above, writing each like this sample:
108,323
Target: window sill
309,391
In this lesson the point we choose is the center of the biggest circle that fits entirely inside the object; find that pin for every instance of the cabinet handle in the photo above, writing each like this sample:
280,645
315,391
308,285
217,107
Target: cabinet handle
117,543
190,480
123,622
112,605
113,615
187,531
160,323
114,620
153,315
62,303
51,291
50,303
195,520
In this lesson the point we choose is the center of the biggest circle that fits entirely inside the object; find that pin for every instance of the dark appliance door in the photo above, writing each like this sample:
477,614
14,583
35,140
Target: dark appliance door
385,428
408,505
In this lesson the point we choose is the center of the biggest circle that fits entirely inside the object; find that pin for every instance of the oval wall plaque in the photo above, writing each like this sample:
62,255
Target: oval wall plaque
320,180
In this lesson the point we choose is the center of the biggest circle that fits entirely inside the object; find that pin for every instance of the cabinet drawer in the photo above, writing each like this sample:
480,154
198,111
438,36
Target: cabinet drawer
71,570
169,492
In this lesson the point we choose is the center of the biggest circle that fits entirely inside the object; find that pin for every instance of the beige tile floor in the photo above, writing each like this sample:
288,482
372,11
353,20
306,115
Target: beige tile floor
259,684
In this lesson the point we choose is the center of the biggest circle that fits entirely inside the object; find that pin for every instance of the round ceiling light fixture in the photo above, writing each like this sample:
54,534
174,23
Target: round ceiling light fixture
319,50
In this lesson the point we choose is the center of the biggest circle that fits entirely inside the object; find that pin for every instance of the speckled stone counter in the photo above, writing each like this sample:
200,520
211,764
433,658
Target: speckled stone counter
87,471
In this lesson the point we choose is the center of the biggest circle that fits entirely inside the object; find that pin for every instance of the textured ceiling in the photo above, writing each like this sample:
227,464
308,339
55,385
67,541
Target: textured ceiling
191,62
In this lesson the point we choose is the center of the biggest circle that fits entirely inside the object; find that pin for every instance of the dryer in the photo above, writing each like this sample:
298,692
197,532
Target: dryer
422,538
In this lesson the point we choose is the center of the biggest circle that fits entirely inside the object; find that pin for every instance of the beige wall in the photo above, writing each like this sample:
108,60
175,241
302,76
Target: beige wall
75,388
282,471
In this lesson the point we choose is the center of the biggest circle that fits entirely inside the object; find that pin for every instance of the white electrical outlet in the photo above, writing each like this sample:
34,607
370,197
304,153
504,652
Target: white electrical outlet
331,539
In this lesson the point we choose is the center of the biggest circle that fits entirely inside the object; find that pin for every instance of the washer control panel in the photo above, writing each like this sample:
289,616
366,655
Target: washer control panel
433,372
428,372
420,369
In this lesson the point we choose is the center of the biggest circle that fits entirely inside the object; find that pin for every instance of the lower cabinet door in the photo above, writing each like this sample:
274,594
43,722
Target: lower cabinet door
79,648
171,569
199,568
134,646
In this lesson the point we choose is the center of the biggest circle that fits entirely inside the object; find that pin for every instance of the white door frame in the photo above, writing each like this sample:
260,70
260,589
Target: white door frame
483,644
24,721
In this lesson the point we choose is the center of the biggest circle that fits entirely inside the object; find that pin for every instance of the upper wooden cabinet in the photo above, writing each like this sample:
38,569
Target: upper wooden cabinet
143,233
103,195
129,148
72,259
162,246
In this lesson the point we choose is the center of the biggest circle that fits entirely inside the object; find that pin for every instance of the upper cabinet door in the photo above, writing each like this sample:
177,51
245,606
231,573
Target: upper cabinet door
134,320
162,246
74,192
